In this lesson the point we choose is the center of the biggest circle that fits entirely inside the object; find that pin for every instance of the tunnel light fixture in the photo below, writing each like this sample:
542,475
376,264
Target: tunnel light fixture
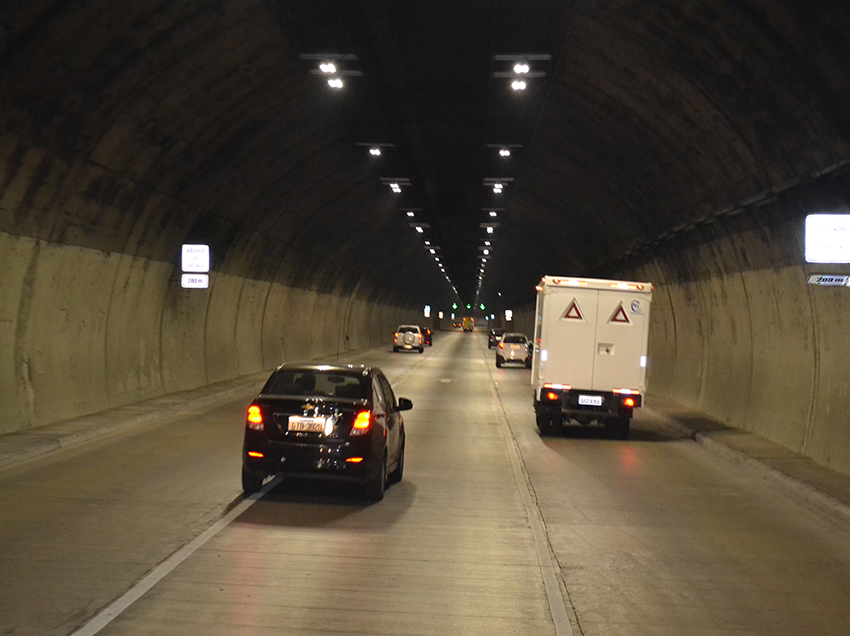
335,82
490,230
375,152
327,67
493,213
419,229
497,188
521,68
519,85
504,152
395,187
411,213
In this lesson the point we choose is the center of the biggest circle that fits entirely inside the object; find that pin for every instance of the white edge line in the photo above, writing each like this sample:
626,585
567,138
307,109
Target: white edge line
146,583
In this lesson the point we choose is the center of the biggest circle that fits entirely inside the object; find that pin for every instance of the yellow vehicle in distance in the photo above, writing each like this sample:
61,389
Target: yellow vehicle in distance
468,323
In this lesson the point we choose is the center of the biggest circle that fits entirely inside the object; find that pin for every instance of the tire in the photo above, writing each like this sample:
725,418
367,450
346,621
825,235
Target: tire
375,488
528,363
421,349
395,349
398,473
617,428
252,482
544,423
499,362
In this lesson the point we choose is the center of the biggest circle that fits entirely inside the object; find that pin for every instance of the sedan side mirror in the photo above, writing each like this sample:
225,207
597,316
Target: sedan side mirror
404,404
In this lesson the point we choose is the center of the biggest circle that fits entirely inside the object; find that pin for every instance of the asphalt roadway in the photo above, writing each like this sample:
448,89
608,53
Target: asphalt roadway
132,522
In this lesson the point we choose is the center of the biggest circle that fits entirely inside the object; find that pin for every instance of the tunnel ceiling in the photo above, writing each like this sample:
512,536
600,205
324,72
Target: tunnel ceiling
142,125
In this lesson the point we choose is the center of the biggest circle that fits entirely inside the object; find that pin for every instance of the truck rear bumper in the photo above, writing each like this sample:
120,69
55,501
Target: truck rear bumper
585,406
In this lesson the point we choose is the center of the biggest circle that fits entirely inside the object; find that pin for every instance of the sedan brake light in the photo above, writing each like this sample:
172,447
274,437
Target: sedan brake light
255,418
362,423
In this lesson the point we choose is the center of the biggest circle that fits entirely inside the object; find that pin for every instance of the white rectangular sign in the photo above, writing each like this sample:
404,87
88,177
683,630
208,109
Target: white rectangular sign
828,238
828,279
195,281
196,258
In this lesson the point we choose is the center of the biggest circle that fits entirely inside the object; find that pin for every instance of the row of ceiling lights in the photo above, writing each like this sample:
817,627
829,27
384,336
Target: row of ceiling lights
521,70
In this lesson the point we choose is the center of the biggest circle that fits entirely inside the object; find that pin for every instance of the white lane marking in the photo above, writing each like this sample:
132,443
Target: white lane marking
548,568
114,609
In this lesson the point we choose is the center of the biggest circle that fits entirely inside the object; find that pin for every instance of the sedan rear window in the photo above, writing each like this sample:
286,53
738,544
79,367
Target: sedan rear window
316,383
514,339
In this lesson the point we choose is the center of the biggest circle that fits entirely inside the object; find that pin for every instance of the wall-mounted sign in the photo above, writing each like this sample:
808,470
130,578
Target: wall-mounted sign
196,258
195,281
828,238
830,280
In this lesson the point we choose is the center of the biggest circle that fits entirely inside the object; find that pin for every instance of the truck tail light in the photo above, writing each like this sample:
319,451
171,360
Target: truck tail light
630,402
255,418
501,345
552,396
256,454
362,423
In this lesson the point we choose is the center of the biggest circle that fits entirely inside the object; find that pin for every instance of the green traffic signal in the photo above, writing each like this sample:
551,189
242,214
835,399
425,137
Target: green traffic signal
468,306
454,305
482,306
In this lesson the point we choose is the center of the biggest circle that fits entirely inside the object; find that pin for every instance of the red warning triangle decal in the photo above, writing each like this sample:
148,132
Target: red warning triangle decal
573,312
620,316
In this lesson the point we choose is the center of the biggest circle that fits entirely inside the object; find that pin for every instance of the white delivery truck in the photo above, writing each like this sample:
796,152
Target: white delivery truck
590,346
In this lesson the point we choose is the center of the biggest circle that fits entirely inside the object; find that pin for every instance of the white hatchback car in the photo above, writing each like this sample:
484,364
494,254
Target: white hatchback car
408,337
514,347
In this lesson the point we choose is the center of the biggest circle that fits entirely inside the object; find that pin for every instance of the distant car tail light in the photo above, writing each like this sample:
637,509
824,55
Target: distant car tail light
362,423
256,454
354,460
396,338
255,418
501,345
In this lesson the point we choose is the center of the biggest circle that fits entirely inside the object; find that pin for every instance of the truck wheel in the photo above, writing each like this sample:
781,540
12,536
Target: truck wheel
422,349
617,427
544,423
395,349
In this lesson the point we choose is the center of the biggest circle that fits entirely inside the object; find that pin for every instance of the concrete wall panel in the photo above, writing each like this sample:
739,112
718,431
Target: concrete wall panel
133,337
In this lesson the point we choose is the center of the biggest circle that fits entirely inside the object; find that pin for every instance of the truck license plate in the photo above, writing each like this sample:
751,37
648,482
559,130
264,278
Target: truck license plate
590,400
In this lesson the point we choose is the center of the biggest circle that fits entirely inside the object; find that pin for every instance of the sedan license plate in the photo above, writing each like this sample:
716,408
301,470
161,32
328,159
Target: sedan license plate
590,400
301,424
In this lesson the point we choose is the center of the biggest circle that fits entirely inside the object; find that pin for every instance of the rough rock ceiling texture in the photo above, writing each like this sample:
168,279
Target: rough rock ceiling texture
159,122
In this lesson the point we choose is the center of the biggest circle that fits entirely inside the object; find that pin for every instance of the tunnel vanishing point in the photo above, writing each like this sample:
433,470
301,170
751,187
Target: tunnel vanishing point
681,142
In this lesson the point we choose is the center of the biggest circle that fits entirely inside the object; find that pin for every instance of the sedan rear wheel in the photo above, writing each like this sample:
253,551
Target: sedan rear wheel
375,488
252,482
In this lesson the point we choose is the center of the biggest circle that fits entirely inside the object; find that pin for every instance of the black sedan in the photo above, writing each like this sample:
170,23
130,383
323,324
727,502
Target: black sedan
340,422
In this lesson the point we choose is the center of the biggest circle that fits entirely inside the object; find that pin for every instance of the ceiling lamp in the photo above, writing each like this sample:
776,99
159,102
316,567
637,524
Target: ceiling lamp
521,68
327,67
335,82
518,85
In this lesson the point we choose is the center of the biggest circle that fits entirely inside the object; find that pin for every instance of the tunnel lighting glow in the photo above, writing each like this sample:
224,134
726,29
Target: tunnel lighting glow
490,230
520,68
518,85
440,315
643,362
433,251
509,315
486,252
375,152
544,355
427,242
419,229
487,243
497,188
493,214
411,214
335,82
327,67
504,152
395,187
828,238
427,311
